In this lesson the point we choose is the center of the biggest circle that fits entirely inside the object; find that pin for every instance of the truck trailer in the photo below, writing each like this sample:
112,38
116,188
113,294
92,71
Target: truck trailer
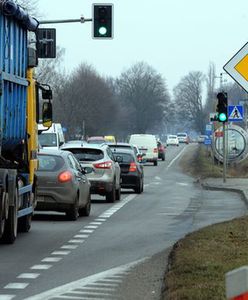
19,109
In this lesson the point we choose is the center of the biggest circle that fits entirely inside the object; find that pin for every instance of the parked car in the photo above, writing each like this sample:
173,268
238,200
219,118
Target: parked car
96,140
147,145
105,178
62,184
172,140
132,175
183,137
161,150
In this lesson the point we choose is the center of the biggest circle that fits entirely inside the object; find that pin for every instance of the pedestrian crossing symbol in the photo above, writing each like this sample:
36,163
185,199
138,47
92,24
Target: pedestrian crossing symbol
235,113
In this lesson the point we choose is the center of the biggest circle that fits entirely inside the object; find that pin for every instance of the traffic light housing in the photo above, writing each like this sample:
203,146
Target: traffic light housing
222,107
102,21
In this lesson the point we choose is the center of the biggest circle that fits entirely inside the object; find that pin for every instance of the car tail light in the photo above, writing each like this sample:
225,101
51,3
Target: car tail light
103,165
155,150
132,167
65,176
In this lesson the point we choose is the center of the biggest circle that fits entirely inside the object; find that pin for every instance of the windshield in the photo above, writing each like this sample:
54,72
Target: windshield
48,139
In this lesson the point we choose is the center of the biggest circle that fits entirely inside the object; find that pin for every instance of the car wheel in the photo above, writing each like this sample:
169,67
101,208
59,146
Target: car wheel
85,211
118,194
111,196
72,212
139,187
155,163
24,223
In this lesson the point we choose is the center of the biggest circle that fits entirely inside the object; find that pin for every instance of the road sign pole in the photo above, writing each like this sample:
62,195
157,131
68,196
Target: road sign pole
224,152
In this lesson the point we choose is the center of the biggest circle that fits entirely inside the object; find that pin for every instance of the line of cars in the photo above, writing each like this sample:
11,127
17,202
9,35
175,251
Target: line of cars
68,176
174,140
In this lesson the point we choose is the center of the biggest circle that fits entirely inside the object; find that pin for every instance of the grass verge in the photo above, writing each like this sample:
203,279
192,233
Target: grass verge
198,263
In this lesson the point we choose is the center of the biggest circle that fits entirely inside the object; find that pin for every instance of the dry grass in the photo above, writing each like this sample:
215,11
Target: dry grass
198,263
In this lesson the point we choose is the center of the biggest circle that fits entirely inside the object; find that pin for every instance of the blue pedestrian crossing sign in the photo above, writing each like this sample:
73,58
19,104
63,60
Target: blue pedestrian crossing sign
235,113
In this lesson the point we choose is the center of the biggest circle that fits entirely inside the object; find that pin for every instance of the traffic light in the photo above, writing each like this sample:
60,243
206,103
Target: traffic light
222,107
102,21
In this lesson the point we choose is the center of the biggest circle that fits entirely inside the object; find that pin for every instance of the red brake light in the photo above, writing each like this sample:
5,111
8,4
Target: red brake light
155,150
65,176
132,167
103,165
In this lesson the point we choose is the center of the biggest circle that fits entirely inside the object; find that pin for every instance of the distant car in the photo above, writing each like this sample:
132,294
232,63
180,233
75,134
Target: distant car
120,145
147,145
62,184
201,138
109,138
183,137
161,150
105,178
172,140
132,175
96,140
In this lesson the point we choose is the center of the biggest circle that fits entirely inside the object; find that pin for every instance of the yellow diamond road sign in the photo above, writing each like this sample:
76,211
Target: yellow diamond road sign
237,67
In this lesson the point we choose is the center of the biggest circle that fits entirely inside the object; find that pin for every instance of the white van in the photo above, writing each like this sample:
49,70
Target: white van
52,138
147,144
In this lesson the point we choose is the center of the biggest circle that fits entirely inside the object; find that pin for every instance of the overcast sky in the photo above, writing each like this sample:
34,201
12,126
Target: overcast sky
173,36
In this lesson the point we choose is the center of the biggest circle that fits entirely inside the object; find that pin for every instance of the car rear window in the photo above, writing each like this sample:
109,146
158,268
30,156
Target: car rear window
182,134
126,157
50,162
86,154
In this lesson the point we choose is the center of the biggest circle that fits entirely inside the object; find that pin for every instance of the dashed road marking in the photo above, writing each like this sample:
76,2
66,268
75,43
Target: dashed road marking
40,267
72,247
76,241
61,252
7,297
28,275
51,259
16,285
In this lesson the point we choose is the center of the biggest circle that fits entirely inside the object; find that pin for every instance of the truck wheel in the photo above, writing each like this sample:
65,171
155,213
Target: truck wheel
10,231
24,223
110,196
2,214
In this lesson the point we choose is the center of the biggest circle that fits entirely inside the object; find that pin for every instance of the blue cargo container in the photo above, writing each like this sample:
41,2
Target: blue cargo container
13,82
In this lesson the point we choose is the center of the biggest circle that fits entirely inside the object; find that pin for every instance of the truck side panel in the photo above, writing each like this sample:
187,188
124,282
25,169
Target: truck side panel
13,82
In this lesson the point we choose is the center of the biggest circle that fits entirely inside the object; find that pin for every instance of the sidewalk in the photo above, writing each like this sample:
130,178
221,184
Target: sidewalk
239,185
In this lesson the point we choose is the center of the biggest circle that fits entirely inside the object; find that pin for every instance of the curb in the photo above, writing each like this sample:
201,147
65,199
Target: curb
241,192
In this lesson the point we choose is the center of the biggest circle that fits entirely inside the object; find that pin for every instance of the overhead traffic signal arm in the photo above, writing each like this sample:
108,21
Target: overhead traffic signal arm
222,107
102,21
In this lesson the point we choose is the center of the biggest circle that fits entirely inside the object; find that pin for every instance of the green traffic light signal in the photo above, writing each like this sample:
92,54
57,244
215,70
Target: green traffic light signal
222,117
102,21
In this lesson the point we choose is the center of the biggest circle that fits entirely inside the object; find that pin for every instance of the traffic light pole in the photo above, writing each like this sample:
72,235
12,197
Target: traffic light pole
81,20
224,152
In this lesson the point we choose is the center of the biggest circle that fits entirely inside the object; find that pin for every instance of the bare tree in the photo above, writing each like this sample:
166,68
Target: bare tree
188,98
210,101
144,94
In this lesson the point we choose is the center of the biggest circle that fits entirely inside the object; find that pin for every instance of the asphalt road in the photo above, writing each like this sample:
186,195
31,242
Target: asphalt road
119,252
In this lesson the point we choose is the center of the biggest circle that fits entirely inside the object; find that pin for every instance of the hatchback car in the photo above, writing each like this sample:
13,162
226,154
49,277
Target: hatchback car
132,175
119,145
105,178
62,184
172,140
183,137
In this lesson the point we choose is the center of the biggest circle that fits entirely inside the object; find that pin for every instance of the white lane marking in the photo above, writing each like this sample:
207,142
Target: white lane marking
100,220
86,231
61,252
76,241
80,236
182,183
89,293
79,284
72,247
74,298
158,178
95,223
173,160
91,227
28,275
16,285
7,297
41,267
51,259
85,235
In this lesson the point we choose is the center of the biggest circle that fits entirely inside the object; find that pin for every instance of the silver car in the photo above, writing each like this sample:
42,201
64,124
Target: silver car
62,184
105,175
